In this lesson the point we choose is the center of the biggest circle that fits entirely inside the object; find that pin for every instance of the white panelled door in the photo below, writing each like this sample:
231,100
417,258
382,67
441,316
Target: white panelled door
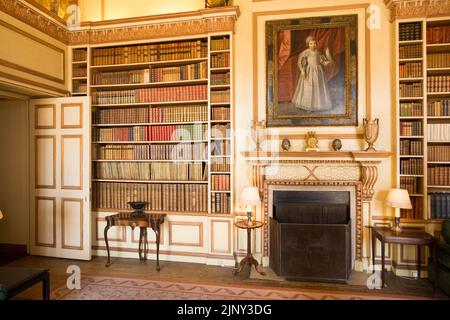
60,219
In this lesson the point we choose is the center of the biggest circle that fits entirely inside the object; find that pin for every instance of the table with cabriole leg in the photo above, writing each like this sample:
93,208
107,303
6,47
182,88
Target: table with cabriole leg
153,220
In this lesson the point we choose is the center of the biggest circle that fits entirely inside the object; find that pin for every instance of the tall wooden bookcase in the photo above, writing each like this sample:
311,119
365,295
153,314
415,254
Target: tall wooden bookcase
161,114
422,56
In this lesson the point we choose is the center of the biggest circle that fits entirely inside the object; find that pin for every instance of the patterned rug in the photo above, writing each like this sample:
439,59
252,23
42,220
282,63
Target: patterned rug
95,287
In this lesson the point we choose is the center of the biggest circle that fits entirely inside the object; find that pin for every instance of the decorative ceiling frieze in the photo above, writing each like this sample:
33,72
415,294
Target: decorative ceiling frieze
141,28
27,14
406,9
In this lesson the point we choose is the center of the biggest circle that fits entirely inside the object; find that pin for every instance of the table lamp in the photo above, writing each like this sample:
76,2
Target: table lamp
250,197
398,199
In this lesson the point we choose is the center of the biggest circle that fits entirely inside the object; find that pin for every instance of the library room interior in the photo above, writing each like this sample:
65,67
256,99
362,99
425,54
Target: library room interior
216,150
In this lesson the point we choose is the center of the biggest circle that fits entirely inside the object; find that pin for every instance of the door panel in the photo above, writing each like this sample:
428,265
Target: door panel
59,178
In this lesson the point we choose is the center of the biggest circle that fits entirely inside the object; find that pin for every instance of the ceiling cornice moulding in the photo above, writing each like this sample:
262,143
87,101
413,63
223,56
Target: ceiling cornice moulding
407,9
131,29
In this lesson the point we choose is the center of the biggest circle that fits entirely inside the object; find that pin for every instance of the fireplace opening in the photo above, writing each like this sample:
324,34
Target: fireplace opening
310,235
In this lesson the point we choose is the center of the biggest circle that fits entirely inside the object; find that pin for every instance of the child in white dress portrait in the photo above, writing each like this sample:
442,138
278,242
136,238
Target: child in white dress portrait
312,93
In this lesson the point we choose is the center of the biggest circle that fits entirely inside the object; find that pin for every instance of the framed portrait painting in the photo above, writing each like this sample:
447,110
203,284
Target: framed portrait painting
312,71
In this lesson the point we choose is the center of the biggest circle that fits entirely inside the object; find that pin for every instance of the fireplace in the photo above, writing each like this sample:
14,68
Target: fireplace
313,229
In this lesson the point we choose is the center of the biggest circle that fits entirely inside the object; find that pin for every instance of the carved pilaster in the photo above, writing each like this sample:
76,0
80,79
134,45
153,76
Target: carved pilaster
258,176
369,176
406,9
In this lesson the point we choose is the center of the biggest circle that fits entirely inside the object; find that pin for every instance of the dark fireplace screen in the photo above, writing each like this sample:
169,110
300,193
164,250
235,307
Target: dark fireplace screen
310,235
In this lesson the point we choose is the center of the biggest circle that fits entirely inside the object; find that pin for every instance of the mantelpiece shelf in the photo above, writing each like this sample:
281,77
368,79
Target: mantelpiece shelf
317,154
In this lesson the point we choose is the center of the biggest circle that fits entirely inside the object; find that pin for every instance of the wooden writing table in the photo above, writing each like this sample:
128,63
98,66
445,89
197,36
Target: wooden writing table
153,220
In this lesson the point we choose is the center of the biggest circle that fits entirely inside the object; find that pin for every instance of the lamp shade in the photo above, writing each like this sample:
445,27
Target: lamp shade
398,198
250,196
1,215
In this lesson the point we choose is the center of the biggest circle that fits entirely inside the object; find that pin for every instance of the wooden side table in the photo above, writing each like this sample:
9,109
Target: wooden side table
411,237
249,259
153,220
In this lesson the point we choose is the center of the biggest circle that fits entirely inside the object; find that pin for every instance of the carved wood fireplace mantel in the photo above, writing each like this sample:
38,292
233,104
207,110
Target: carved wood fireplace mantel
333,169
311,166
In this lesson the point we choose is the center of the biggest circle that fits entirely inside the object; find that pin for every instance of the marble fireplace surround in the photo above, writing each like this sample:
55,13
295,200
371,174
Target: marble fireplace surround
353,171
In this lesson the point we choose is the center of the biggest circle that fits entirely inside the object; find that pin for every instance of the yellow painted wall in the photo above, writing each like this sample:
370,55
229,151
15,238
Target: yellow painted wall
116,9
14,196
34,52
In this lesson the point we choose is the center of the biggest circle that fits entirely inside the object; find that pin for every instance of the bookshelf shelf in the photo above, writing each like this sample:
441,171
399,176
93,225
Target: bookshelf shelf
410,156
149,161
410,42
220,69
410,98
147,124
410,79
151,84
141,65
151,181
145,91
411,175
148,142
137,104
410,59
79,62
410,117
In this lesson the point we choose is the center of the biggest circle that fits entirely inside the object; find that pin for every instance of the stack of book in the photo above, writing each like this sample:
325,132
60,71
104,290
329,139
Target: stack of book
218,79
439,153
220,44
220,203
118,116
411,166
412,184
410,70
439,205
411,128
410,89
410,51
179,73
161,197
220,182
411,109
150,53
184,113
439,176
220,113
438,60
220,60
410,31
79,55
438,34
438,83
438,131
411,147
220,96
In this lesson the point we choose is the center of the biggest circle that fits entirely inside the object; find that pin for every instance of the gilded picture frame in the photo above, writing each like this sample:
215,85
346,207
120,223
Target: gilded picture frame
312,71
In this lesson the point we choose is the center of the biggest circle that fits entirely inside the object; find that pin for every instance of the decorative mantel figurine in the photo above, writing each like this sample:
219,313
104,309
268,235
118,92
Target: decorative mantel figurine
311,142
370,132
216,3
285,144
